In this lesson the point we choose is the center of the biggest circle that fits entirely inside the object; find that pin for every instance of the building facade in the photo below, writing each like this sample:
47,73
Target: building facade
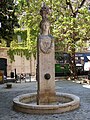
21,64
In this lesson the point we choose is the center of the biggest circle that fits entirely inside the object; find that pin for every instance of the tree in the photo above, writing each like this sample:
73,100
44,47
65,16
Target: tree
69,24
29,19
8,20
72,27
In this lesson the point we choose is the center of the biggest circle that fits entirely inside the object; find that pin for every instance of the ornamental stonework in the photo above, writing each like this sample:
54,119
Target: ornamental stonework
46,44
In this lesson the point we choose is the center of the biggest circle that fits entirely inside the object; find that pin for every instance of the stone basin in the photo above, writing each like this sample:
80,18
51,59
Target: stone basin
27,103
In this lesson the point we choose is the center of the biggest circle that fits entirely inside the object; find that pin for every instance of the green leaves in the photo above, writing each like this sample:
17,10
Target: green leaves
66,28
8,21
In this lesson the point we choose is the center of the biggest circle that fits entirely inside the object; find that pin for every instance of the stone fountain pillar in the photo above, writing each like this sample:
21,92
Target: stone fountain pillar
45,61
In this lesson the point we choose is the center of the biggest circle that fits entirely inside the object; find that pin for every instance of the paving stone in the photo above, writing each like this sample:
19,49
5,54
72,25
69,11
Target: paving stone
7,95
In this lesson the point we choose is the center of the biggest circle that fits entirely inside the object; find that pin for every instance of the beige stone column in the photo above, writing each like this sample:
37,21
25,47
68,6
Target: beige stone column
45,61
46,75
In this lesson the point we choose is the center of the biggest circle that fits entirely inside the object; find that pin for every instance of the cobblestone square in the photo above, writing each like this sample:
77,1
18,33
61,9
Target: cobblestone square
7,95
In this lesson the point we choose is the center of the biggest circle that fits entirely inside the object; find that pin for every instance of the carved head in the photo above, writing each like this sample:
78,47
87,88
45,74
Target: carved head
45,27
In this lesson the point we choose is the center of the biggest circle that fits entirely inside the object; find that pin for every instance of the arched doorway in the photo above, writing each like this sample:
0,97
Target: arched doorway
3,65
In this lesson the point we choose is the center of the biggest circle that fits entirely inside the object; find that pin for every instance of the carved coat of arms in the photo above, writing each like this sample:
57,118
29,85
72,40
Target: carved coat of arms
46,44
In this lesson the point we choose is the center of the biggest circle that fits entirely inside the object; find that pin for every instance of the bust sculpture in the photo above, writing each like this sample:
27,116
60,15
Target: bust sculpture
45,27
46,40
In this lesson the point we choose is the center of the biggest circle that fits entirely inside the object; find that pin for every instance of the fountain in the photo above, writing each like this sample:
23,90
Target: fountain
46,100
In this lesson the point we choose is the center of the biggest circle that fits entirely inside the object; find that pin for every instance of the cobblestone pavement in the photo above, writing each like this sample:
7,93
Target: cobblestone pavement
7,95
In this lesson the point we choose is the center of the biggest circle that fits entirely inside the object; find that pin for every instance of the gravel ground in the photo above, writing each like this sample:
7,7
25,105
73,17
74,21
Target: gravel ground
7,95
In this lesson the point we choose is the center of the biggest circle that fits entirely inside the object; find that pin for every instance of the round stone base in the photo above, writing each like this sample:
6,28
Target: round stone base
64,102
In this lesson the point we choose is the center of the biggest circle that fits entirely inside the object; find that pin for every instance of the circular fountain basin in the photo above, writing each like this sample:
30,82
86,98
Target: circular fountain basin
64,102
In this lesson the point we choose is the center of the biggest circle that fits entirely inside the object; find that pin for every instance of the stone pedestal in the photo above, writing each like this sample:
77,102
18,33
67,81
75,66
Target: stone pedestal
45,70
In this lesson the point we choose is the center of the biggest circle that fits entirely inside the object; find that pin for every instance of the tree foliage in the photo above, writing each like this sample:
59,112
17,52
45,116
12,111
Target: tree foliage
69,19
8,20
72,28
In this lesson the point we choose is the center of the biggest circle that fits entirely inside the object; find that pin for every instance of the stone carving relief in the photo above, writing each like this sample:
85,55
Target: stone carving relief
46,44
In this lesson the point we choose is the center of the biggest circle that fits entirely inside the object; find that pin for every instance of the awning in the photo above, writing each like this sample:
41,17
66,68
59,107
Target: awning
88,57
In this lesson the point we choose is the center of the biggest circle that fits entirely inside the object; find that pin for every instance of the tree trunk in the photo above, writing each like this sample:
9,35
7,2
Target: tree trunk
73,65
